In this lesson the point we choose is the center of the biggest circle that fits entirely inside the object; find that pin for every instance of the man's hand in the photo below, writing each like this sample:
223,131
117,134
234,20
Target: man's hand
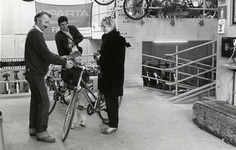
69,64
65,56
96,55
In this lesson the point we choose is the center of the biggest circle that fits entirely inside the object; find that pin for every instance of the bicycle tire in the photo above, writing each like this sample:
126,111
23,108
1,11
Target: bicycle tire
51,87
70,112
104,2
102,110
135,10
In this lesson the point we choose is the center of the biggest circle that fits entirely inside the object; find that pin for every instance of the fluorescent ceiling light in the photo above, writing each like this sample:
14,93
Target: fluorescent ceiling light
170,41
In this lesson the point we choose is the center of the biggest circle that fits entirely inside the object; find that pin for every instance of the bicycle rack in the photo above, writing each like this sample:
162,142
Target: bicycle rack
17,84
7,84
26,86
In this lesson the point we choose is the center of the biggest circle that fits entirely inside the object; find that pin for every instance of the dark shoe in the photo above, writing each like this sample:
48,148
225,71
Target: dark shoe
110,130
32,134
47,139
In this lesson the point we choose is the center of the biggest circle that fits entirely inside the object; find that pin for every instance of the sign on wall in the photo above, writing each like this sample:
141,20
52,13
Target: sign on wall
126,27
78,15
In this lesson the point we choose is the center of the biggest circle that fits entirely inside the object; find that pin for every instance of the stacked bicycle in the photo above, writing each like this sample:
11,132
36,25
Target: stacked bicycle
57,90
137,9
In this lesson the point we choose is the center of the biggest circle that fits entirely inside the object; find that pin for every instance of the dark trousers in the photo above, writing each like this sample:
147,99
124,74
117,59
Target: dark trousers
39,103
112,110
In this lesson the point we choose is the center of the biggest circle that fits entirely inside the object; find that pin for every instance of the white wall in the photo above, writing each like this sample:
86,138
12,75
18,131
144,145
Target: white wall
20,19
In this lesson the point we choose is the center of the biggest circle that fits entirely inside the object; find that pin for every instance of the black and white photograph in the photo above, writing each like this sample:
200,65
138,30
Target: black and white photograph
118,75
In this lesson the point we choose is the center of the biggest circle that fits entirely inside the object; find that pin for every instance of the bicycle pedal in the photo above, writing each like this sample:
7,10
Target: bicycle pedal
90,110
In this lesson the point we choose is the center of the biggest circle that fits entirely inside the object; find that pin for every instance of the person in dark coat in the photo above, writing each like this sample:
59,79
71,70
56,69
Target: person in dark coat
111,59
37,59
67,39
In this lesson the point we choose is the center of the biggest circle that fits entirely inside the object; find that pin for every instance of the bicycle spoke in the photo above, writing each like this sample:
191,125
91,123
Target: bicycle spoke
136,9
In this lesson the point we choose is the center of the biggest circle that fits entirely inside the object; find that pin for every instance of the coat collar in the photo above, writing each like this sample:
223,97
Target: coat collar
111,33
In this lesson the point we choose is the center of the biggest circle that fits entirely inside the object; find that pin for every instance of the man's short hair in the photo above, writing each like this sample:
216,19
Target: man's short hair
62,19
40,14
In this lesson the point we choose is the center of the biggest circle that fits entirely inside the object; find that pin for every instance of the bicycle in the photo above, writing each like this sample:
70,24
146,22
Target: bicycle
59,92
58,89
96,104
137,9
134,9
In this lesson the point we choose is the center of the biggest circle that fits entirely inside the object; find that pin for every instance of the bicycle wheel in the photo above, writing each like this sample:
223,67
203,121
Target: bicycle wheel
70,112
104,2
136,9
52,93
208,13
102,111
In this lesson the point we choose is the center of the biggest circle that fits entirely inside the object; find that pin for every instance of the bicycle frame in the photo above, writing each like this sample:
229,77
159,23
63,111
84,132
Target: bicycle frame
94,106
77,91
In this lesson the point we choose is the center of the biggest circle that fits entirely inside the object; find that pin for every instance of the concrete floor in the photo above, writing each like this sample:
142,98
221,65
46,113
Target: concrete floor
148,121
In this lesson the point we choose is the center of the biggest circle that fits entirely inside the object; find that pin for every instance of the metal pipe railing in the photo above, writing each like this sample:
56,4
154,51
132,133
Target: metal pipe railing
192,76
171,61
177,67
192,91
191,48
198,63
187,64
198,92
179,64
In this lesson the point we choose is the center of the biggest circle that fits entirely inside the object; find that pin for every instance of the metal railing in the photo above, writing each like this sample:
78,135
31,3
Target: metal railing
178,65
